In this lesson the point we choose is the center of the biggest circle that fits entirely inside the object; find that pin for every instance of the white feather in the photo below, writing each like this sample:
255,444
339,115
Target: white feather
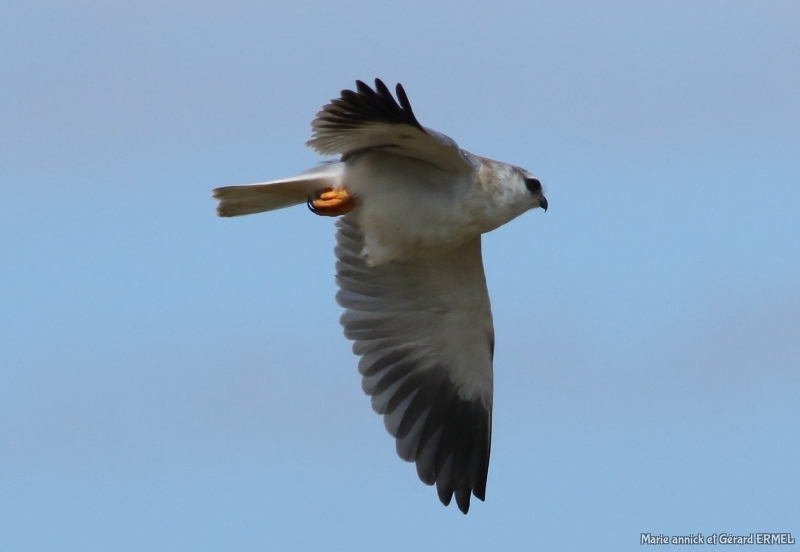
277,194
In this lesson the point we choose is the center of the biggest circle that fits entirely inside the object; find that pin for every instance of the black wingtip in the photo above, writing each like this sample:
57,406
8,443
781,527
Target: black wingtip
361,86
462,499
365,105
445,492
382,89
403,97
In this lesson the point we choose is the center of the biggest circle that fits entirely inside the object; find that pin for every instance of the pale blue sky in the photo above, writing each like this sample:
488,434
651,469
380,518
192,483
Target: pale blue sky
173,381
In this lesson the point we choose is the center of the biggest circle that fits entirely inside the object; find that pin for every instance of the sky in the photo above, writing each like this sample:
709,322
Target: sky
170,380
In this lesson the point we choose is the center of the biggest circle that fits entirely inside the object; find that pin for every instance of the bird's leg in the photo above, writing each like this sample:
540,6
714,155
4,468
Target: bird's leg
331,202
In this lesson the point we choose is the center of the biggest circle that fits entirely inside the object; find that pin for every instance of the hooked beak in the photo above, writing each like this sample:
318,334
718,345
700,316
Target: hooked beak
543,203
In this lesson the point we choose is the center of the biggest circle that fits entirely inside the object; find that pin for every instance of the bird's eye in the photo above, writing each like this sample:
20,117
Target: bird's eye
533,185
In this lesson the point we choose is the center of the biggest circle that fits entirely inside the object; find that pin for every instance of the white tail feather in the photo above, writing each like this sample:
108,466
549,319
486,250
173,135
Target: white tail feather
268,196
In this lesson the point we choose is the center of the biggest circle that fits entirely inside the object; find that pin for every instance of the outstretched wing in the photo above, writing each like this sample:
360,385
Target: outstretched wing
372,119
423,329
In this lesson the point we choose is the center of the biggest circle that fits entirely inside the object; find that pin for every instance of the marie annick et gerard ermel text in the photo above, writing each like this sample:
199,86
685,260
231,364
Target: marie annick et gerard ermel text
718,538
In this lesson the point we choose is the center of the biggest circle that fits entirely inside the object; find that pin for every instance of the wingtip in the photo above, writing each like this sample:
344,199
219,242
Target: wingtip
361,86
403,99
445,492
381,88
462,499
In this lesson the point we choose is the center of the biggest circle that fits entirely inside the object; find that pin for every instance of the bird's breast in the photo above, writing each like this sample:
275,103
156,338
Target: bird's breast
407,208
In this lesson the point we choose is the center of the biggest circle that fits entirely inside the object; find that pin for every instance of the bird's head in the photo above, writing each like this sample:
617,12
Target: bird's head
509,190
533,187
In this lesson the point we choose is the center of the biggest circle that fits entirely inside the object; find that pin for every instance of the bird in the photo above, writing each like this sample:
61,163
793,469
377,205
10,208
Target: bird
411,208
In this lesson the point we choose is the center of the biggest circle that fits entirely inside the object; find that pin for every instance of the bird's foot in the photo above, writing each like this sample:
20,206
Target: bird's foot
331,202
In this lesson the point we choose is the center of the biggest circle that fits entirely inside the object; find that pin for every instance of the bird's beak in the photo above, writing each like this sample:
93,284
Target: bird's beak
543,203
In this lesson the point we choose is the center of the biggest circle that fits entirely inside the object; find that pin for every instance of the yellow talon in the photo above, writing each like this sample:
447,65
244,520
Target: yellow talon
332,202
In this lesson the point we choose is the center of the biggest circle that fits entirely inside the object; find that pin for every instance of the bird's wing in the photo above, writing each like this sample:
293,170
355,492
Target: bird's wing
423,329
370,119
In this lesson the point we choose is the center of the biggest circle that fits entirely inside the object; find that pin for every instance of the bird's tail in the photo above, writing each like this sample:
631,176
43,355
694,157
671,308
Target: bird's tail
268,196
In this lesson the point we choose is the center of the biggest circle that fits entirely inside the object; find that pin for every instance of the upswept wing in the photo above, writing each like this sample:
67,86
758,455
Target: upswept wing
423,329
369,119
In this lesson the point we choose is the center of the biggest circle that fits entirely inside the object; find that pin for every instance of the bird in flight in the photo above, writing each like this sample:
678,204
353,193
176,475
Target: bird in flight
413,206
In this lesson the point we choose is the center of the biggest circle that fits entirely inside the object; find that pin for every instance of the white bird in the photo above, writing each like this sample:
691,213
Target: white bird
409,271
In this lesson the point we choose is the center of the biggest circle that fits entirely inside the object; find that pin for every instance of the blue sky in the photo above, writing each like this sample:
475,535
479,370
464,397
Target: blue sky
173,381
